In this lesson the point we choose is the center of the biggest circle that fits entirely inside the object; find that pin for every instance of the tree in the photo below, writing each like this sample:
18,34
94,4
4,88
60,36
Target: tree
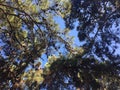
96,21
28,30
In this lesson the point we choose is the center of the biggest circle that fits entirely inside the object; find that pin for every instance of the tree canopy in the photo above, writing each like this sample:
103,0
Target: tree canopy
29,30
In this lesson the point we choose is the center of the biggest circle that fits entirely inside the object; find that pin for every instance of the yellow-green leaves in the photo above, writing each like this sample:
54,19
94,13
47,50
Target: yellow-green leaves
44,4
78,75
24,34
67,7
33,8
12,68
53,58
14,21
64,7
11,18
36,40
66,31
21,35
79,50
33,75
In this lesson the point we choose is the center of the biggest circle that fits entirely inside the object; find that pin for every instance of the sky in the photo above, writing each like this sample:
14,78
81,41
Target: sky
73,33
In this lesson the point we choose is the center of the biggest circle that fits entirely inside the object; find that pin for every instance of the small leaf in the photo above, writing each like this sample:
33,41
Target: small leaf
24,34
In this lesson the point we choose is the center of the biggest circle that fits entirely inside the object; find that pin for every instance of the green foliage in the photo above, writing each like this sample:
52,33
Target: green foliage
28,30
80,73
44,4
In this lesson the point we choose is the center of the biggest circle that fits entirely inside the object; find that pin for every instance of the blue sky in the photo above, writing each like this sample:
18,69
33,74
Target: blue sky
74,33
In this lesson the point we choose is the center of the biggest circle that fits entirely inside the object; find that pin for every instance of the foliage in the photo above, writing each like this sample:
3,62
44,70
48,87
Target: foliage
98,26
79,72
28,30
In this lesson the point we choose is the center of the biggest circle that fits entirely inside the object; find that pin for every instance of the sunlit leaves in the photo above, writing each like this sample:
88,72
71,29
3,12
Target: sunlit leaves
44,4
64,7
32,76
79,51
33,8
29,30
